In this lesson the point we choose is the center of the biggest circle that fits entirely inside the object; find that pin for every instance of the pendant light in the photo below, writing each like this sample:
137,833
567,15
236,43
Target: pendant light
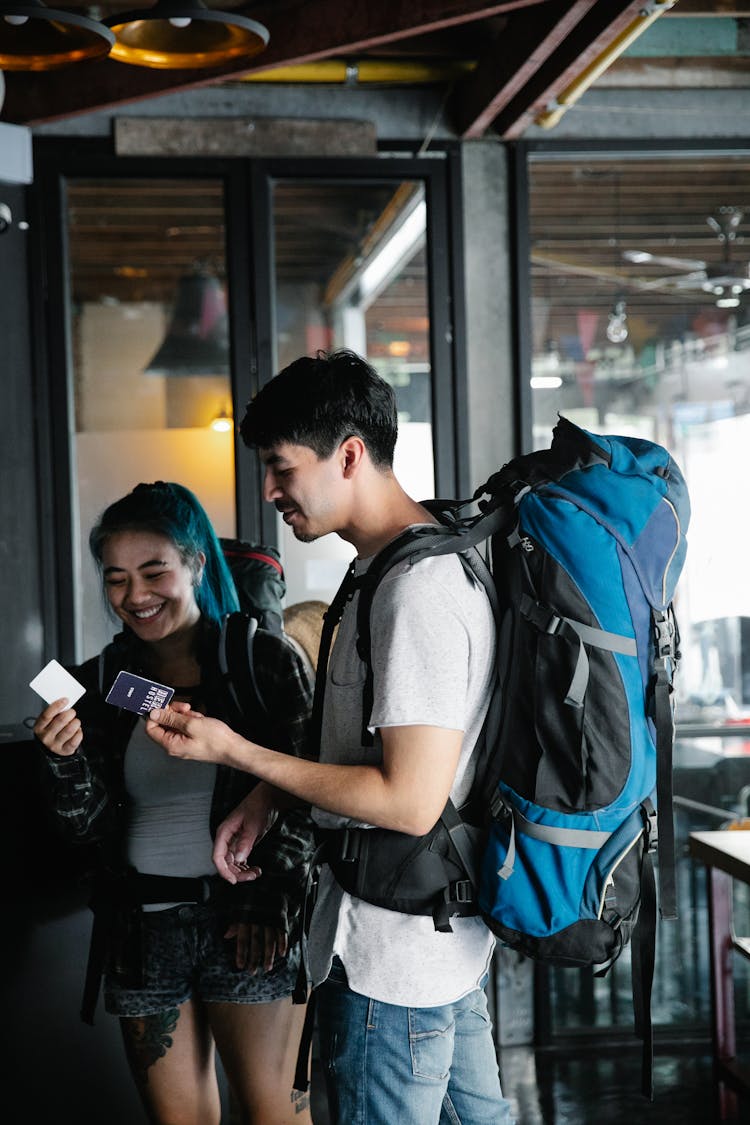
617,323
197,340
35,37
184,35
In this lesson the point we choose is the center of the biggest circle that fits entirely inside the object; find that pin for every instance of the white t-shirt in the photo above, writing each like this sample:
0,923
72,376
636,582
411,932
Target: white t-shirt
433,652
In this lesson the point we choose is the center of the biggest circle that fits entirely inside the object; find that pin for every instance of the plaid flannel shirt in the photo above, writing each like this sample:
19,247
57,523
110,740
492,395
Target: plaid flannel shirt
87,790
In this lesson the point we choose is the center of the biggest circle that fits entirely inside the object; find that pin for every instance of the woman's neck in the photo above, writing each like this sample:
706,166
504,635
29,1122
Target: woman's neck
174,660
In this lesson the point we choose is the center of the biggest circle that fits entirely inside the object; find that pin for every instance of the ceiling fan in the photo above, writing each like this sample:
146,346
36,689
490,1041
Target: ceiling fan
726,279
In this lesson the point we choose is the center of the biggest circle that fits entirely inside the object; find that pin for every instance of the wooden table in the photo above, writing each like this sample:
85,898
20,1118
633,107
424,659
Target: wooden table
726,855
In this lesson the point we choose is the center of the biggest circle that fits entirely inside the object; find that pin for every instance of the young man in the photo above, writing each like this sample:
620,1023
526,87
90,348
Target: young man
402,1016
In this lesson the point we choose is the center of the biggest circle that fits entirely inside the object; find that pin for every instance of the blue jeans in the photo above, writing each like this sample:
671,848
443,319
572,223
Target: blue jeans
386,1064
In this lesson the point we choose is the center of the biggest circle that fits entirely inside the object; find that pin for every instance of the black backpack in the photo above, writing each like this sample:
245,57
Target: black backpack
259,578
586,541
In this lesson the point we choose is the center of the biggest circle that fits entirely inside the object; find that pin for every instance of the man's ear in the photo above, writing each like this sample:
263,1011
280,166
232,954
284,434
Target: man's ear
353,452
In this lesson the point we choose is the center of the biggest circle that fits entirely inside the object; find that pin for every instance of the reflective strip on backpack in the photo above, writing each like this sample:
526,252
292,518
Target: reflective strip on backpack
565,837
547,621
549,834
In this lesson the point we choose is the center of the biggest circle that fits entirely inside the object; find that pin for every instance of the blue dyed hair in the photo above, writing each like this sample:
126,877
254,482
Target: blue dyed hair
169,509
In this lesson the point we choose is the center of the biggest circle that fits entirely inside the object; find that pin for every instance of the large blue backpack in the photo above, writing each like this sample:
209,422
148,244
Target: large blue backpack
585,543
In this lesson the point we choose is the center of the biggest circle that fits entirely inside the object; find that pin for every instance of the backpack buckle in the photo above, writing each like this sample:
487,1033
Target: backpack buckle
462,891
664,633
349,845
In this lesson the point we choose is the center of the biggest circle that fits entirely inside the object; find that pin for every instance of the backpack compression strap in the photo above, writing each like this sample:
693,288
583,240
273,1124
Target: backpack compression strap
643,955
666,642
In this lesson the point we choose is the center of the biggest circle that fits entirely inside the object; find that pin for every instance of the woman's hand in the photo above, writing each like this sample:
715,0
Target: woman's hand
258,947
58,728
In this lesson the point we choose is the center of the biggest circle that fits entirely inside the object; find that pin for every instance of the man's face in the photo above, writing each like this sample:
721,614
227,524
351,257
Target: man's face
305,488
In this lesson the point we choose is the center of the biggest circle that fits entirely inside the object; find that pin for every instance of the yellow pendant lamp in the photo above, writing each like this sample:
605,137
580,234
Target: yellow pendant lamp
184,35
35,37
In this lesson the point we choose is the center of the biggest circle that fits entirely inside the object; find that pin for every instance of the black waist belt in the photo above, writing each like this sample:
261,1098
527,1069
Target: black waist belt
129,891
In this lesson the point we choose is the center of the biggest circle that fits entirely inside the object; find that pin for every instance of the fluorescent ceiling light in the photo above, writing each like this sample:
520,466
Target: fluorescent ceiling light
545,382
393,254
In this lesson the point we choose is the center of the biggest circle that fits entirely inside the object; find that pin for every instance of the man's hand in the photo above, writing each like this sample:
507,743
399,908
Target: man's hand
184,733
258,947
238,834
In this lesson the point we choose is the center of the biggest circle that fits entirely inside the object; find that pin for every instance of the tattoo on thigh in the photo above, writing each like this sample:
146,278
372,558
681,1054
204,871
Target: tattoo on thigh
300,1101
147,1039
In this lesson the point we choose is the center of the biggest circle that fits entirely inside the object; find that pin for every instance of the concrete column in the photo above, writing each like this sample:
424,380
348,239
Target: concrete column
488,306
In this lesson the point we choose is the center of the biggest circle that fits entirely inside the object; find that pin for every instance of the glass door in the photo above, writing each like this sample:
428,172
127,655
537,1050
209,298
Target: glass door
178,287
351,270
149,331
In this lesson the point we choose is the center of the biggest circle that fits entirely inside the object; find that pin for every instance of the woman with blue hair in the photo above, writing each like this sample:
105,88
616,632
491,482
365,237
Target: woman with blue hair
191,965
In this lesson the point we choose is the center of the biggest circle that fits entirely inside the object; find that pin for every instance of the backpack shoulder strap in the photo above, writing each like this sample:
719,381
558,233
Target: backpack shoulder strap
417,543
331,618
236,662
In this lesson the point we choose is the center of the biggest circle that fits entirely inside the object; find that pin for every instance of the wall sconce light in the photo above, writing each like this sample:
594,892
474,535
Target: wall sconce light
223,422
650,11
35,37
184,34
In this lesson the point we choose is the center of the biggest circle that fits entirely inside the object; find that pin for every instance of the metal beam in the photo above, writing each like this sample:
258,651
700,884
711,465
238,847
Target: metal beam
586,42
511,62
732,8
678,73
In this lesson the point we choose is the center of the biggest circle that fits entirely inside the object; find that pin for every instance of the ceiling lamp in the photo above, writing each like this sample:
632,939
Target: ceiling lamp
197,341
34,37
183,35
617,325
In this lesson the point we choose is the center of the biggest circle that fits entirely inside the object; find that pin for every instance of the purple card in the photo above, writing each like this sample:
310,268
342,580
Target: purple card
138,694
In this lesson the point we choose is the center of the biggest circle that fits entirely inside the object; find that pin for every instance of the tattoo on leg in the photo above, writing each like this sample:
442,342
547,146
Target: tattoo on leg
300,1101
147,1039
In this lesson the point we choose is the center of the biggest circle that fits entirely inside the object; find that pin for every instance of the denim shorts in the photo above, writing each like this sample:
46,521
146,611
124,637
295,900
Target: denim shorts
185,955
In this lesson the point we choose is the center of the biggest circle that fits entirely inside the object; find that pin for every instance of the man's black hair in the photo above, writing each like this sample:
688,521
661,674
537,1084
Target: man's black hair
322,401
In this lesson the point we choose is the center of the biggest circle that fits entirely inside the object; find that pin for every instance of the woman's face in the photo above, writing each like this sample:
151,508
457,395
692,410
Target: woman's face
148,585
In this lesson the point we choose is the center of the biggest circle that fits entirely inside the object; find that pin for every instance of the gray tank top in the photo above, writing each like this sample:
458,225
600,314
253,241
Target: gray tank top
168,832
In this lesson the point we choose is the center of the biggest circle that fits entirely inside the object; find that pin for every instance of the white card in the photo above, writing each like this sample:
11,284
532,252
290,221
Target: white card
54,682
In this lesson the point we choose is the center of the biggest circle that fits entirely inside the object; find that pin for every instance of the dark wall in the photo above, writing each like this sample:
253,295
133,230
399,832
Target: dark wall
54,1067
20,587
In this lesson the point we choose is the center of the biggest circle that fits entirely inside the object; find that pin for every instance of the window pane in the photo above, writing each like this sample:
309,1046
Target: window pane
351,272
150,354
640,296
640,326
